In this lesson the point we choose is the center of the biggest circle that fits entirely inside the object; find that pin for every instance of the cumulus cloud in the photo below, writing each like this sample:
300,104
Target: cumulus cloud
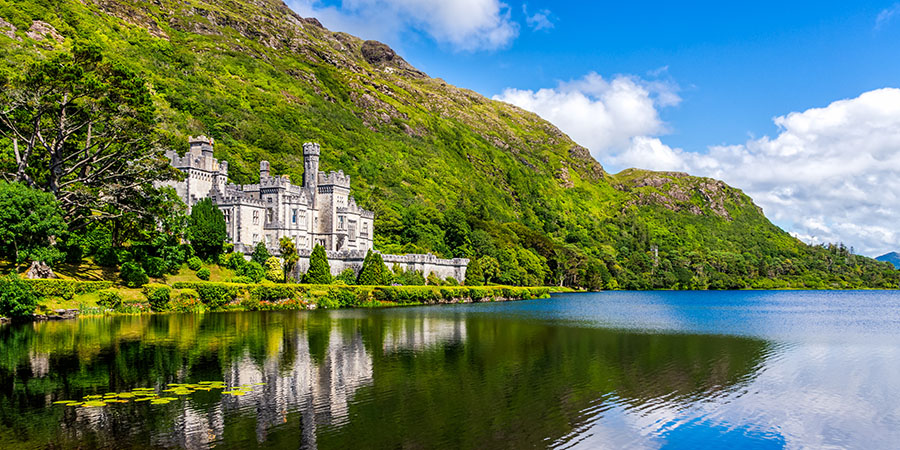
603,115
831,174
463,24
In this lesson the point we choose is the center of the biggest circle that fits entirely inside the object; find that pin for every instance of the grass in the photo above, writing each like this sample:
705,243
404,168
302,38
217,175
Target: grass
216,273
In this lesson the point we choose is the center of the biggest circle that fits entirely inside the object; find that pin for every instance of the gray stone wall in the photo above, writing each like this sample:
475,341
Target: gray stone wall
339,261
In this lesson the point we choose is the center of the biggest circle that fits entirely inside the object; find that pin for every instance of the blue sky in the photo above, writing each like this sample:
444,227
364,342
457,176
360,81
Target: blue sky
716,89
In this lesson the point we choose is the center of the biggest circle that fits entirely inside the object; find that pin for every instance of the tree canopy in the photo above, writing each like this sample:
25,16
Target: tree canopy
207,229
373,270
29,221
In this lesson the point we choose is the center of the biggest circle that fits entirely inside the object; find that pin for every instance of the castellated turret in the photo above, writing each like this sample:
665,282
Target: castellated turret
263,170
201,145
310,165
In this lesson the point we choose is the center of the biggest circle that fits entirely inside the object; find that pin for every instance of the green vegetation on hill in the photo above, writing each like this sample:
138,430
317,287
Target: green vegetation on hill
445,169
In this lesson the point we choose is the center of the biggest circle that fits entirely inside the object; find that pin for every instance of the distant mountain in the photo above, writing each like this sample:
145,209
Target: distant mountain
445,169
892,257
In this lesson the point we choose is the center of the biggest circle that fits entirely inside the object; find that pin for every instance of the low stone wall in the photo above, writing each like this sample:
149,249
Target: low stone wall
427,263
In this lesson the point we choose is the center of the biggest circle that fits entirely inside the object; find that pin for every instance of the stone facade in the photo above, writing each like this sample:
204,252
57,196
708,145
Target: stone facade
320,211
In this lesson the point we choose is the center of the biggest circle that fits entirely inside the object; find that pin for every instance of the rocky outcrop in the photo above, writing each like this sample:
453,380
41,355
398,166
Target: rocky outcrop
41,30
39,270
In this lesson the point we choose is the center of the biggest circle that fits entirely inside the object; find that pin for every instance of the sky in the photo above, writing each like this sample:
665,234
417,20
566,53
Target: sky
797,103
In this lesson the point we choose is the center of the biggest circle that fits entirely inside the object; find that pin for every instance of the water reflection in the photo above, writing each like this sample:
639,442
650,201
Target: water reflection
352,379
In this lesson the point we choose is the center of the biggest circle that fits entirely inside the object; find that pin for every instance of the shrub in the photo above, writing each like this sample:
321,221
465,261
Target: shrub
274,293
17,298
203,274
343,297
273,269
253,271
155,266
65,289
234,261
110,298
186,300
240,280
157,295
133,275
347,276
260,253
474,274
106,257
195,263
433,279
215,295
450,281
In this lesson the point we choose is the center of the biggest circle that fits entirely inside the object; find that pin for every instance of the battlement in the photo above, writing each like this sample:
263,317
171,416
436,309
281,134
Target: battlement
201,145
311,148
282,181
334,179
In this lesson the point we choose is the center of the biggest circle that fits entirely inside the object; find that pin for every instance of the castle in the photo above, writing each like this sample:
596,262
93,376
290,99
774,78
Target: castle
320,211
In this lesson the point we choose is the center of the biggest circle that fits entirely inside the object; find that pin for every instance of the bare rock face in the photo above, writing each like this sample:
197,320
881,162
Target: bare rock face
380,54
8,29
40,30
39,270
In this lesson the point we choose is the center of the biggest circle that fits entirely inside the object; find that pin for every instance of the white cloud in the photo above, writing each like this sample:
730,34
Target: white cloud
886,15
463,24
831,174
539,20
603,115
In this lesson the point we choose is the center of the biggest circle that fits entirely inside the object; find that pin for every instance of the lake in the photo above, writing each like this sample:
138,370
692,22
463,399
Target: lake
743,369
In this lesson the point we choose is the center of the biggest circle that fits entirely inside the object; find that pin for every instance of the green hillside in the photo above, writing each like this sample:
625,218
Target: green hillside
445,169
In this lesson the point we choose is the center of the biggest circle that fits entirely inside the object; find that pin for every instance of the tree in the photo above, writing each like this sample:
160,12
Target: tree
83,129
260,253
433,279
17,298
29,222
372,272
274,272
319,271
289,256
207,229
490,267
474,275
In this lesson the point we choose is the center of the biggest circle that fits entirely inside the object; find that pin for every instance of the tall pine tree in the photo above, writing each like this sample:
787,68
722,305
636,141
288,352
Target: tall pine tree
319,271
207,229
372,272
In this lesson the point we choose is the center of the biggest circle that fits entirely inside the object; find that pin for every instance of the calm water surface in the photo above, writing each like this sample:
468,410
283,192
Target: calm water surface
606,370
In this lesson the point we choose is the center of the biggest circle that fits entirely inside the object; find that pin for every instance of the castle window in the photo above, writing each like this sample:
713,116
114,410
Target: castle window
269,215
365,230
294,216
255,221
227,214
255,238
340,222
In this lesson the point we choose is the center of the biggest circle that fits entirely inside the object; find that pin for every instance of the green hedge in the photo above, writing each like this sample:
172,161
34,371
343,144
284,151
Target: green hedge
266,296
66,289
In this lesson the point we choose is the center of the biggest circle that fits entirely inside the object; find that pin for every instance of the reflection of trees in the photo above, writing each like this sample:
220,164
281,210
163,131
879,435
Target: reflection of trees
347,379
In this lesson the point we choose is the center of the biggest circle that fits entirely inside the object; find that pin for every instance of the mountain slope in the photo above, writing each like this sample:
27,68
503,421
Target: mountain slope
892,257
445,169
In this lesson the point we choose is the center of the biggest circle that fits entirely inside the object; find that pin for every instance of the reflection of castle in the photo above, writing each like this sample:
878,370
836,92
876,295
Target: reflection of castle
321,211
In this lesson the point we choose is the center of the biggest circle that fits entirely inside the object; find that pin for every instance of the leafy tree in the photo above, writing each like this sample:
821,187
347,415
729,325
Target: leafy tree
372,272
253,270
29,220
319,271
289,256
133,274
474,275
433,279
490,267
17,299
83,129
260,253
203,274
207,229
274,271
